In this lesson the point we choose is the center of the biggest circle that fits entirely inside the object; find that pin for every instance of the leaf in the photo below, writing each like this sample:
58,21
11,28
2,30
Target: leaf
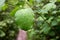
40,19
31,2
14,11
43,11
50,19
5,7
21,2
2,23
58,19
49,6
53,1
53,39
2,34
52,33
58,0
12,2
30,33
38,1
45,29
54,22
1,3
54,12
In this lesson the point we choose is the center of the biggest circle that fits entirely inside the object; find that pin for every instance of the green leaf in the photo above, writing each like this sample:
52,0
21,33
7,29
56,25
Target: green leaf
2,34
5,7
12,2
54,12
49,6
43,11
58,0
53,1
58,19
54,22
52,33
46,28
1,3
40,19
2,23
14,11
53,39
50,19
31,2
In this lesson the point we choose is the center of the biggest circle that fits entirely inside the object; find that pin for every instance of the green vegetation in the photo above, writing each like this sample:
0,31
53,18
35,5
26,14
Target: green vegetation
40,18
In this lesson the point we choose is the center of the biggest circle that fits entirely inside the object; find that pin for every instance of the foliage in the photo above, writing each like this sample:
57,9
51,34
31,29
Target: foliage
46,24
8,28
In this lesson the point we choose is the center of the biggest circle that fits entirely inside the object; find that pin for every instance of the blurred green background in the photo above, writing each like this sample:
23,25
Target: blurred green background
42,22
